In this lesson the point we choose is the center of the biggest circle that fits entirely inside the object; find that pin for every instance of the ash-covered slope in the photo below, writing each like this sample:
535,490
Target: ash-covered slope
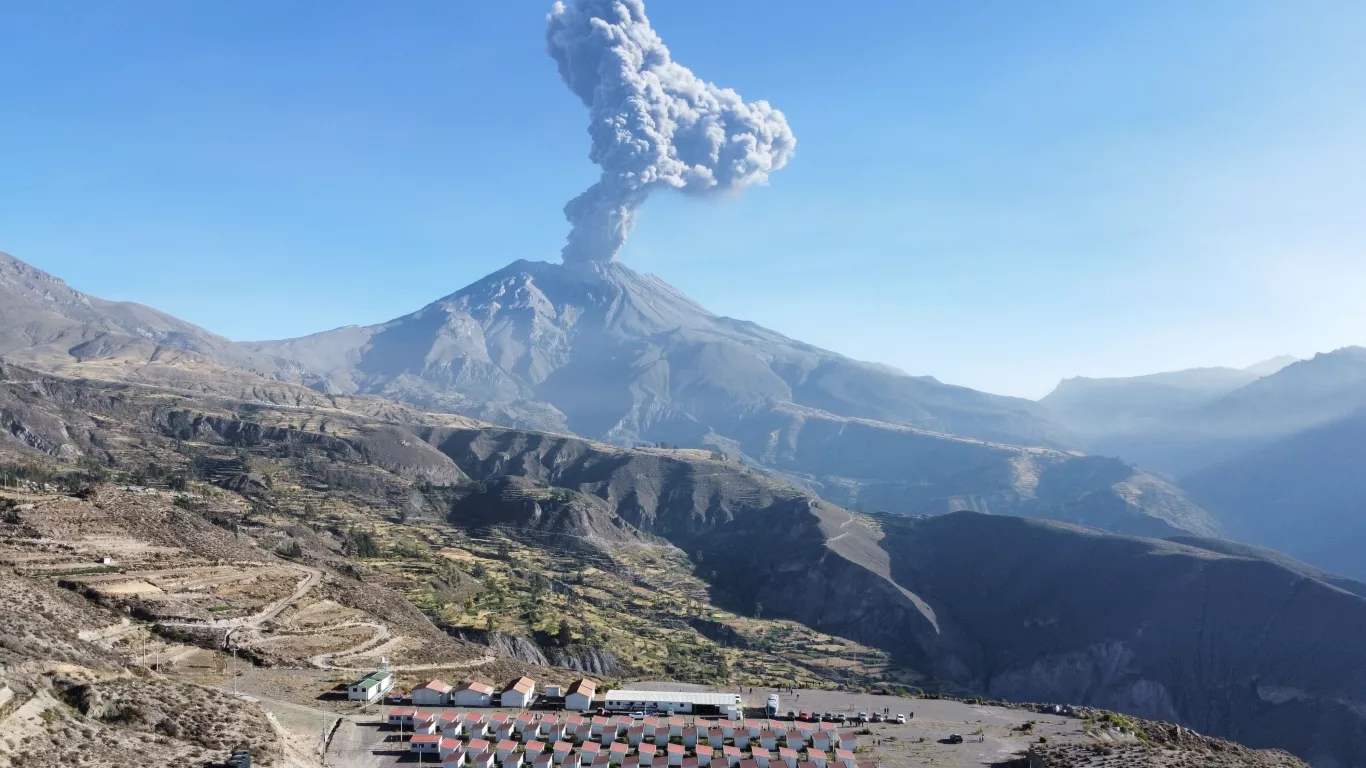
605,352
598,350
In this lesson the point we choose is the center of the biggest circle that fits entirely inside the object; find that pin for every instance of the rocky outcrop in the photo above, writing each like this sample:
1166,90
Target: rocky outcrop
580,657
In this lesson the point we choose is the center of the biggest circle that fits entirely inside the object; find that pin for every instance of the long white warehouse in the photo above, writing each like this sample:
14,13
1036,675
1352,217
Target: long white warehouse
694,702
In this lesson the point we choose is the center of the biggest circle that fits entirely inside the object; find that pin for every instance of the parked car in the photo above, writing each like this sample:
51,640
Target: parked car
638,715
877,717
791,715
900,719
863,717
828,716
955,738
805,715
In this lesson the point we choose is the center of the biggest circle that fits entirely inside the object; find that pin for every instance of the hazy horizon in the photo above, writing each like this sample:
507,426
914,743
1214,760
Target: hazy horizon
998,199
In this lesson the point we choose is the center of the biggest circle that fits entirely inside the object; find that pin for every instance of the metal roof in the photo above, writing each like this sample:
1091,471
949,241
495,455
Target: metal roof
680,697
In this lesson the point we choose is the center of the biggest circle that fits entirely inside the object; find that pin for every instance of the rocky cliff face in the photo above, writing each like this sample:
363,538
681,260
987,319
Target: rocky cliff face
582,658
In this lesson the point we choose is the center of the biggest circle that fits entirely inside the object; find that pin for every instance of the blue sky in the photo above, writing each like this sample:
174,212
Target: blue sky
999,194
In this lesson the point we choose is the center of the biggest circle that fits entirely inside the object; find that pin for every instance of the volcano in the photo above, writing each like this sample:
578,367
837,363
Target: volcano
598,350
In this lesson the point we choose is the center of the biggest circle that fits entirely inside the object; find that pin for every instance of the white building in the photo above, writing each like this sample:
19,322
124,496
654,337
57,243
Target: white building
473,695
701,703
519,693
372,686
433,693
580,695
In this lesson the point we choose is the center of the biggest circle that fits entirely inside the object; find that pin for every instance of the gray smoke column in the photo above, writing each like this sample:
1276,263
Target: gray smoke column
654,124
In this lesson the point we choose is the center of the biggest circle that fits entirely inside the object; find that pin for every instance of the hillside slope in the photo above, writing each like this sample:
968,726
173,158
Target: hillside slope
1240,646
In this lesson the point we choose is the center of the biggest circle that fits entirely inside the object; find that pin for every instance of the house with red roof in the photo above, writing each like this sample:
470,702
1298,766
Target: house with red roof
580,695
790,757
425,744
675,753
481,760
760,756
449,746
846,757
519,693
732,755
433,693
473,694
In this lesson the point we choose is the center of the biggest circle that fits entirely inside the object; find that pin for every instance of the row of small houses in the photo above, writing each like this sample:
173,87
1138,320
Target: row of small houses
480,754
532,741
517,694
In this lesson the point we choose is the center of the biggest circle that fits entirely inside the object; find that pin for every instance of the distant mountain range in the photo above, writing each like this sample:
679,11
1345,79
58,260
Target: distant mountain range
1276,456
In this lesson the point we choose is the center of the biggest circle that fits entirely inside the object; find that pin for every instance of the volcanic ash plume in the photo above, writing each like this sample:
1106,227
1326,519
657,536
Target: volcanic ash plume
654,123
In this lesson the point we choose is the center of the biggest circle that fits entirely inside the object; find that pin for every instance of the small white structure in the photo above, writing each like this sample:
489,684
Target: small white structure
703,703
433,693
554,691
425,744
519,693
372,686
473,694
580,695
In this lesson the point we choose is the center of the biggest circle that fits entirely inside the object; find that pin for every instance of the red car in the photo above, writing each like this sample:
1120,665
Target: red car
804,715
